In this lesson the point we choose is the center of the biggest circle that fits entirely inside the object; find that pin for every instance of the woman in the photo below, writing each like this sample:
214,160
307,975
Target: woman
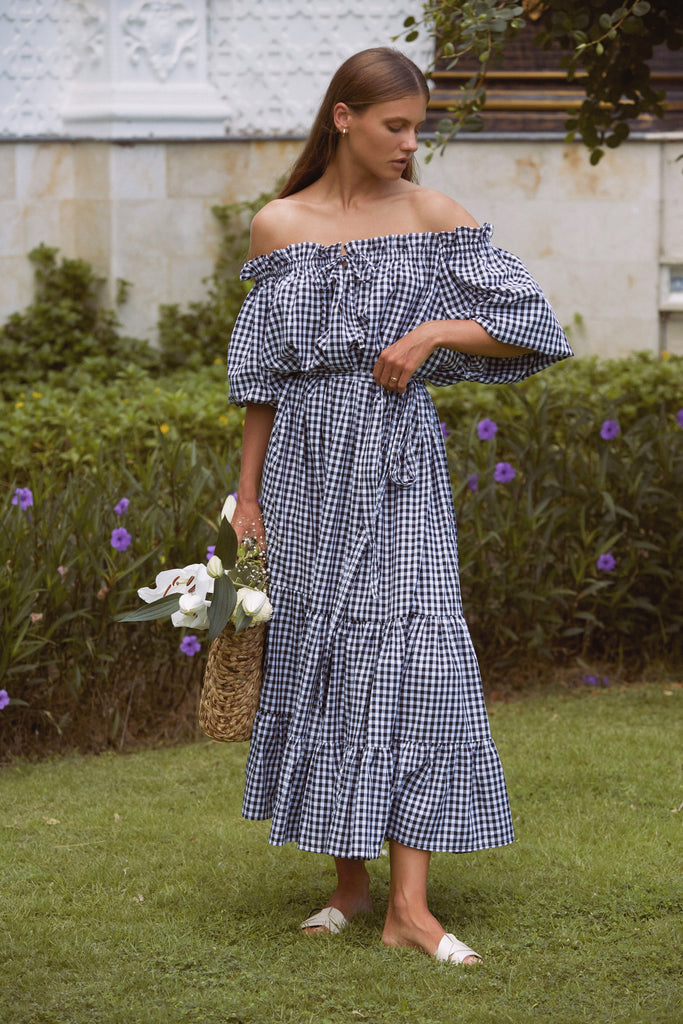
372,723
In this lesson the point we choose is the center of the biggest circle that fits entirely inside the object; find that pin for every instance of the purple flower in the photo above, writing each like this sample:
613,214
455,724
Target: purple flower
606,562
605,681
4,699
120,538
444,429
486,429
591,680
503,473
679,417
23,496
609,430
190,645
473,483
122,506
210,551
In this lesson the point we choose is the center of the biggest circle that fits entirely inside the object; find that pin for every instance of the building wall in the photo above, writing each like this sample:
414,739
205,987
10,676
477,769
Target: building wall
594,237
123,121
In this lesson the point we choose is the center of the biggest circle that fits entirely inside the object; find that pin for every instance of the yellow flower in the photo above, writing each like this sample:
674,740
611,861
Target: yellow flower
18,405
164,428
665,355
222,419
218,361
37,394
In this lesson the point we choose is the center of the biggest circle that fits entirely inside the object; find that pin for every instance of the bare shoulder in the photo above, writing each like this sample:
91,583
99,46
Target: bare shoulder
438,212
273,227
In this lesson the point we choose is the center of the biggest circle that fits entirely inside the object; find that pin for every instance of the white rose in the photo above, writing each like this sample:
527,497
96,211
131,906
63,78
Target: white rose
214,567
193,612
255,604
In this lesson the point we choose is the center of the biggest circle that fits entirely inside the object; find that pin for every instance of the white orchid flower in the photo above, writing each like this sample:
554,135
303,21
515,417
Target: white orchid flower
176,581
194,585
229,508
255,604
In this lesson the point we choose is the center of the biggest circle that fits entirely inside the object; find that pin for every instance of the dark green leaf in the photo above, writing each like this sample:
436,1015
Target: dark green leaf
226,544
632,26
222,605
160,609
242,620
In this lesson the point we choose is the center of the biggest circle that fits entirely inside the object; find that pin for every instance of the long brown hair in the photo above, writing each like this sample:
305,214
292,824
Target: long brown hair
371,76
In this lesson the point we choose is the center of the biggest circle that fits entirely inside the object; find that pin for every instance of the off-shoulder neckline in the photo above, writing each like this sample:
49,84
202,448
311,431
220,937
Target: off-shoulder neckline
348,246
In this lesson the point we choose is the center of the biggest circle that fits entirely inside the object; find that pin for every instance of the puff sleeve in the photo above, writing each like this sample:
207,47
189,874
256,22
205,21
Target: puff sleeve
251,378
478,281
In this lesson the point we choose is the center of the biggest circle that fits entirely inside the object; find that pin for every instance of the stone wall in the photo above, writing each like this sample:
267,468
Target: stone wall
599,240
123,121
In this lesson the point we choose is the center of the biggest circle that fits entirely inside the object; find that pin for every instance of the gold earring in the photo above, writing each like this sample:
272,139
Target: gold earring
345,131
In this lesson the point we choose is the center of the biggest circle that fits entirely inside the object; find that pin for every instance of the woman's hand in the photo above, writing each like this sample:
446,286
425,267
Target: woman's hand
247,522
397,363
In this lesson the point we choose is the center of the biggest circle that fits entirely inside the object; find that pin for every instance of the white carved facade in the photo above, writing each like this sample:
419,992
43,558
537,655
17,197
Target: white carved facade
145,69
122,122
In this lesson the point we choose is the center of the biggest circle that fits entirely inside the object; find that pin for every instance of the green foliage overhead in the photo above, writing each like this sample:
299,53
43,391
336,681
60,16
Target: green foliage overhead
606,46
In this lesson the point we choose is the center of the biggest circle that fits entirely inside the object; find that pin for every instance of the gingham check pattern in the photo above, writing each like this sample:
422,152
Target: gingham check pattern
372,722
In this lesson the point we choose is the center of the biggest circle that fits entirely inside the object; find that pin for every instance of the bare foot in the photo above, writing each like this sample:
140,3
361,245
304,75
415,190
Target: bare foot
418,929
351,898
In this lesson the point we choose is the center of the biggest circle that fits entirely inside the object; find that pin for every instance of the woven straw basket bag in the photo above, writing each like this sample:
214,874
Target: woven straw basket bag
232,683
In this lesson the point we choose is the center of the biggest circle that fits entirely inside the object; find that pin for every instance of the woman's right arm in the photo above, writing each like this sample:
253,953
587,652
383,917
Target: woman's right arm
246,520
258,422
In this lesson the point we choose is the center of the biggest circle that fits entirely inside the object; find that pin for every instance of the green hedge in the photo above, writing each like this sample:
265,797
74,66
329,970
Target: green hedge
529,547
89,417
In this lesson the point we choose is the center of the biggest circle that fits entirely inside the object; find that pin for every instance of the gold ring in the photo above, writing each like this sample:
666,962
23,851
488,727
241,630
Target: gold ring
392,380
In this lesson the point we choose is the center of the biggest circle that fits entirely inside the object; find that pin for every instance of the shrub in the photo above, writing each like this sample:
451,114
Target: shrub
529,542
67,336
595,471
65,326
570,539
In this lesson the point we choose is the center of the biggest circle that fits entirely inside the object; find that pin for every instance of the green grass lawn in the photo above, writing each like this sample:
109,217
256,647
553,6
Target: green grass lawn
132,892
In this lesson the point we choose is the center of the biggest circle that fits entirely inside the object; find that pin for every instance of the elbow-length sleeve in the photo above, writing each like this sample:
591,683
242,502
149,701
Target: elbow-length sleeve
251,375
480,282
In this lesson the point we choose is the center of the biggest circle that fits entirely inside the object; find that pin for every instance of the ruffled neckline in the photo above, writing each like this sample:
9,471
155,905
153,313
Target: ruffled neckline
319,253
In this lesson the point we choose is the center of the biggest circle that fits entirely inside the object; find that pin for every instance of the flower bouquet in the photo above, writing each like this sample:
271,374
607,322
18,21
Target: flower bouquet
226,596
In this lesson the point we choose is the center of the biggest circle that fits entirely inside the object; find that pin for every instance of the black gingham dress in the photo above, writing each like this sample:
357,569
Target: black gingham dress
372,722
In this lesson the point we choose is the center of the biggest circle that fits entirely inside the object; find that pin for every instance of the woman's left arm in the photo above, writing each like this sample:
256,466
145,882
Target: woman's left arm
397,363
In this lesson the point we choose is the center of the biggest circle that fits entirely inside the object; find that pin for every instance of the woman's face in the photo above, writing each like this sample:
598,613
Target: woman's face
382,138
